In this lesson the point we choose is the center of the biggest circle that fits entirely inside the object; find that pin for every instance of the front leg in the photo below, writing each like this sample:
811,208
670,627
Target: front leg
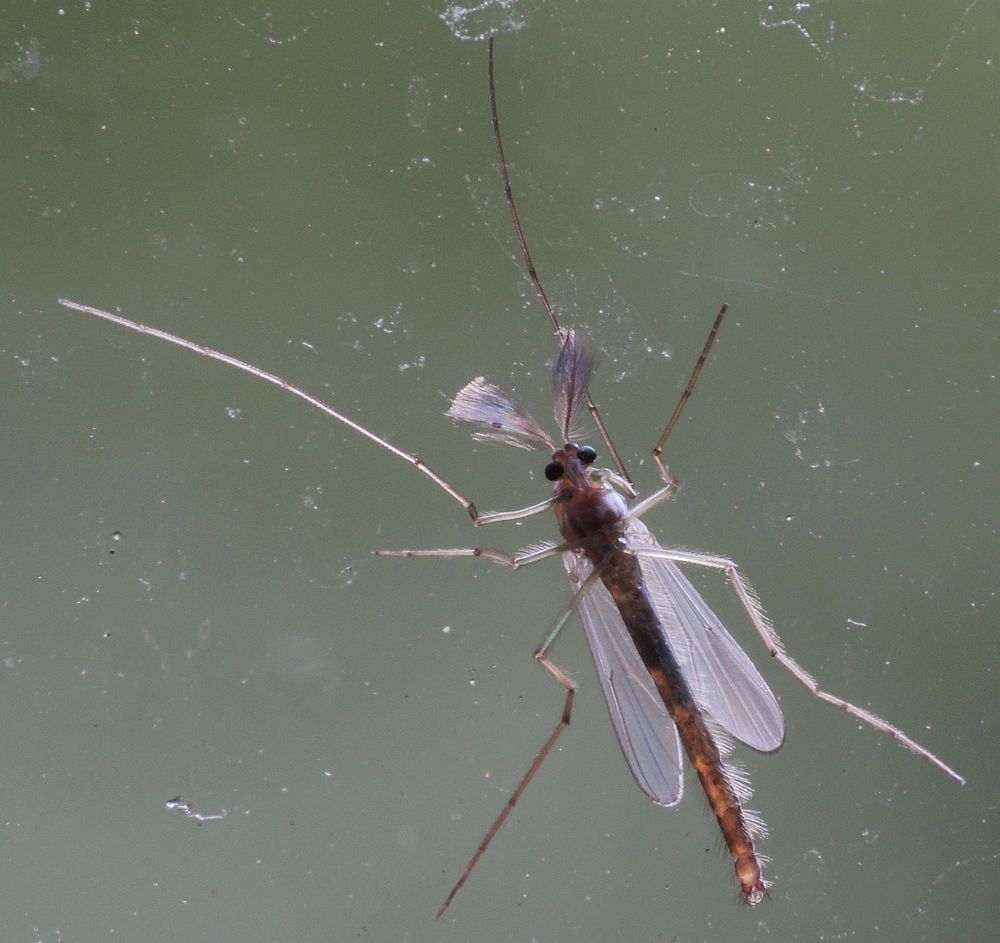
514,561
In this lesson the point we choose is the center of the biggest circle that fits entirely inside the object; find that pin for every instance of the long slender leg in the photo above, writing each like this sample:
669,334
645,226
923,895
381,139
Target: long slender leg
765,629
497,517
514,561
569,685
410,457
665,473
646,504
533,272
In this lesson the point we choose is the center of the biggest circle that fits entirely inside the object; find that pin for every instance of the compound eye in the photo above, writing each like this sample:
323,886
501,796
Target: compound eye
554,471
587,455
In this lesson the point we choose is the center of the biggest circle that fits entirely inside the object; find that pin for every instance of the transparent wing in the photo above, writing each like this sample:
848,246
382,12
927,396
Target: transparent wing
645,731
484,404
571,376
722,678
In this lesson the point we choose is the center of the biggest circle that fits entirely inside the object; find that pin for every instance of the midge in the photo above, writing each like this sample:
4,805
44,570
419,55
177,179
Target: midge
672,676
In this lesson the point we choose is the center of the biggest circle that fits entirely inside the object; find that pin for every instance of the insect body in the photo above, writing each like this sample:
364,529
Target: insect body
673,677
647,627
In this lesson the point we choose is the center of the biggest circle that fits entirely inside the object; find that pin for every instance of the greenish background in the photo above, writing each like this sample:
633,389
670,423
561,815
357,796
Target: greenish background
314,189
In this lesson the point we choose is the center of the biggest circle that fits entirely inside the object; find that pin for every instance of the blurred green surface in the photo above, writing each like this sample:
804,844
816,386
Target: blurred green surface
315,190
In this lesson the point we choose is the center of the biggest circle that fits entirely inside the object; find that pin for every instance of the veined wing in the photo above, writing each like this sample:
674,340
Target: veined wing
645,731
722,678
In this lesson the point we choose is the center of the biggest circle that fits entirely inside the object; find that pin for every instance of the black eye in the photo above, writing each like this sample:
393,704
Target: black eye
587,455
554,471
